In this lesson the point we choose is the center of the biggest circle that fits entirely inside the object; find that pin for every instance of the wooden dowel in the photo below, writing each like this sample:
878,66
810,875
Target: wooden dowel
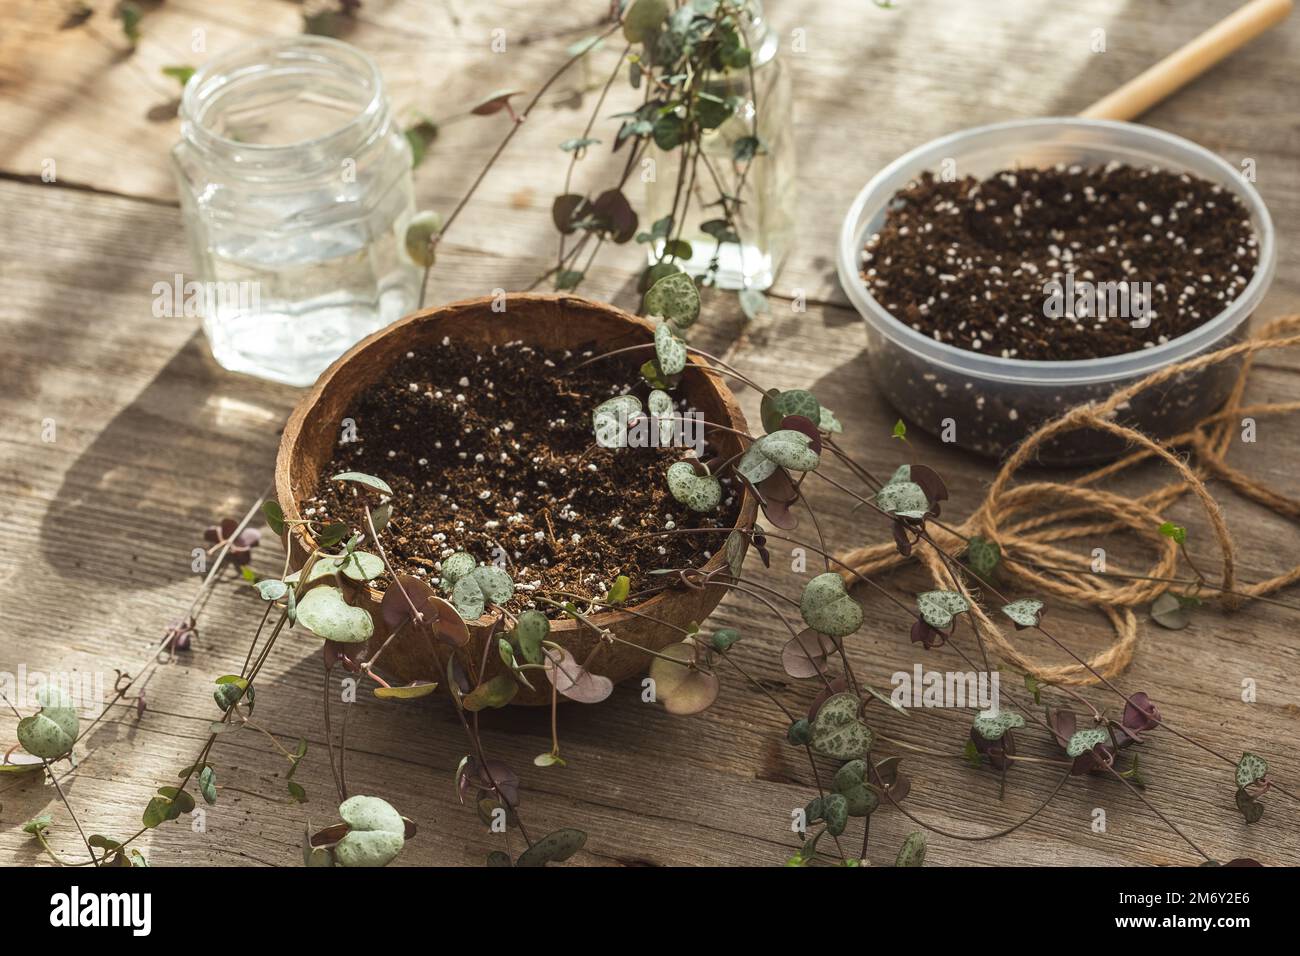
1185,64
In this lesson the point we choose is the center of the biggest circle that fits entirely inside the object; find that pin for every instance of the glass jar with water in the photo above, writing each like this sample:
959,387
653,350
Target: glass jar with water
296,192
764,187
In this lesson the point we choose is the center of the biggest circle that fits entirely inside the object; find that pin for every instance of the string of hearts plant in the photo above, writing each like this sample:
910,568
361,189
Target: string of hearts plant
681,56
672,52
853,774
799,432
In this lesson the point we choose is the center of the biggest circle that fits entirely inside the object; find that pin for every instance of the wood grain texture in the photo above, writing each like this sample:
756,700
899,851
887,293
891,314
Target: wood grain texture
153,441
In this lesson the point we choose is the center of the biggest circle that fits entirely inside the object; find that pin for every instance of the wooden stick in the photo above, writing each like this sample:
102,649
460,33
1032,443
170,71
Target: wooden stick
1185,64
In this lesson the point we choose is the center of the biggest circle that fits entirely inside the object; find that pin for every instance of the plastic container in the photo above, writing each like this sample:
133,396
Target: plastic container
994,402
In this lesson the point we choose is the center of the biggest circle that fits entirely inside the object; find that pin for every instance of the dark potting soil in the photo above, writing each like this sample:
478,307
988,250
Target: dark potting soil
968,262
493,454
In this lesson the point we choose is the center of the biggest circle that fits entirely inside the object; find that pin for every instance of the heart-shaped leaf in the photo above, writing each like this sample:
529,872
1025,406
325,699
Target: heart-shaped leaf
376,832
1025,613
777,405
850,781
456,567
656,379
806,427
369,481
939,607
274,515
827,422
494,102
735,552
424,226
994,726
902,496
160,809
506,650
482,586
568,209
935,490
700,493
1140,715
674,299
362,566
20,763
778,493
1168,611
1250,768
815,810
494,777
661,409
799,732
754,466
887,777
784,448
805,654
827,607
325,613
835,811
50,733
1082,741
1251,809
912,852
573,680
610,419
682,689
232,690
723,638
208,785
670,351
439,617
789,449
555,847
324,568
615,219
530,630
271,589
836,730
407,692
497,692
618,592
983,555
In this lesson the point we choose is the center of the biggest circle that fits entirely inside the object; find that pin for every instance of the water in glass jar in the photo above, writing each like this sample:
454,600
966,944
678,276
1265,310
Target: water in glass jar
303,299
296,189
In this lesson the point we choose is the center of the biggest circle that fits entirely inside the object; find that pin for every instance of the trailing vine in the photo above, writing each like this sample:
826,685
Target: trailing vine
854,774
670,53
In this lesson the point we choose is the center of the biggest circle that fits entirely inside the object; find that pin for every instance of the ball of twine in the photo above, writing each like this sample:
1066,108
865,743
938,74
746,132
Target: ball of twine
1012,515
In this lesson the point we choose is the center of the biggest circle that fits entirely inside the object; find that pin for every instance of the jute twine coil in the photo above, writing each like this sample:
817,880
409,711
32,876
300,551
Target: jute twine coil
1079,509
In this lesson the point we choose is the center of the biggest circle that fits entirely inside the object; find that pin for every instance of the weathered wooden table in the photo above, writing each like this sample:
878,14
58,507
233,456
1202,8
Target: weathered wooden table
153,441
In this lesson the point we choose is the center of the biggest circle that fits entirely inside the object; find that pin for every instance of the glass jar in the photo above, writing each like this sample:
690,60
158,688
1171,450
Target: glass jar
765,215
296,193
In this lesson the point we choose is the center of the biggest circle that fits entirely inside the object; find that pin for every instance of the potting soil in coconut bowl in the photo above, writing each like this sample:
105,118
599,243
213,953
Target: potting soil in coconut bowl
480,423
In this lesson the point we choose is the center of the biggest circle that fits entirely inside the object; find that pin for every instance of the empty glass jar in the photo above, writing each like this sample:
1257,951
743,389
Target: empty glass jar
296,192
